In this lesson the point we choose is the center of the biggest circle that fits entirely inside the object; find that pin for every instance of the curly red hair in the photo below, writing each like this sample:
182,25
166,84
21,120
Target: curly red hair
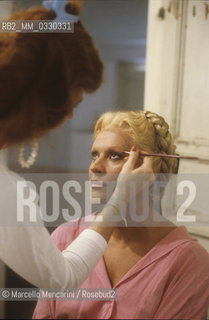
40,75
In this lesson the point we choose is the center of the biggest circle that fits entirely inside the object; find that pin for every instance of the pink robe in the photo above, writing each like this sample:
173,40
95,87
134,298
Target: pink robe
170,282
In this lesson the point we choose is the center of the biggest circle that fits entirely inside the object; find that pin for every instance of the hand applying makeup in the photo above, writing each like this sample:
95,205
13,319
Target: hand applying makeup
130,173
133,165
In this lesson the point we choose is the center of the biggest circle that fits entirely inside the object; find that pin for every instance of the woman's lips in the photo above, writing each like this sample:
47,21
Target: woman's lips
97,184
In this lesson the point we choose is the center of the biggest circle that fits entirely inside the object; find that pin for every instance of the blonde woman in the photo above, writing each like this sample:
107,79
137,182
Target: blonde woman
159,271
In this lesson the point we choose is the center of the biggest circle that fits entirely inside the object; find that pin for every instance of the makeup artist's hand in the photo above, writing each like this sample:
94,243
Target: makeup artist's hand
135,171
137,164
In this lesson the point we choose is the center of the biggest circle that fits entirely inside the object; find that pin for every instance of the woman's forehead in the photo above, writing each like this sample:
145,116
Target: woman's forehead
113,138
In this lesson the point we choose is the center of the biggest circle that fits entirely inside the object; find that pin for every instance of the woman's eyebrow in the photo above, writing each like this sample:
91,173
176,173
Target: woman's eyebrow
115,149
111,149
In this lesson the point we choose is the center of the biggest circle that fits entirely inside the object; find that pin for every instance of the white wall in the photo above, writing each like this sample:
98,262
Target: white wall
5,9
177,81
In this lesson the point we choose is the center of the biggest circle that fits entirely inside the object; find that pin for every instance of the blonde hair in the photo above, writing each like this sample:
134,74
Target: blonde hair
148,130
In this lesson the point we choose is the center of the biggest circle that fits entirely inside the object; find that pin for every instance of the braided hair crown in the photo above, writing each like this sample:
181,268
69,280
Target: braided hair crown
148,130
164,141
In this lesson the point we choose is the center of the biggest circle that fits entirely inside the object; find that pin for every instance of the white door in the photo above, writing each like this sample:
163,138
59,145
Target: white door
177,81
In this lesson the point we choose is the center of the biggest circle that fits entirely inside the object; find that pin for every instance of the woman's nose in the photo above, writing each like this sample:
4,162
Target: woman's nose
98,166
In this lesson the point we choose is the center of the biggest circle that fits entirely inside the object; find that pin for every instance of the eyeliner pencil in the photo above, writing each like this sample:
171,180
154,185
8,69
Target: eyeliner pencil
165,155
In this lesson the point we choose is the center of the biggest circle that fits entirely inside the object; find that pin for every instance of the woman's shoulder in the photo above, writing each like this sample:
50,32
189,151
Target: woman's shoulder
181,249
200,255
191,244
189,255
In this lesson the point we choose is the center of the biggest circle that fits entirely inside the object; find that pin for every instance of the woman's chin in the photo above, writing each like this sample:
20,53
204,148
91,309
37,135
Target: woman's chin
99,196
98,199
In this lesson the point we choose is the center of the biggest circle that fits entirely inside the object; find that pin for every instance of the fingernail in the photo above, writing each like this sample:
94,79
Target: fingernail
134,147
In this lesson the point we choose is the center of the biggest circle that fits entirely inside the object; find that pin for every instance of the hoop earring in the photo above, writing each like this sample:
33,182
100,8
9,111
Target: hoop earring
31,159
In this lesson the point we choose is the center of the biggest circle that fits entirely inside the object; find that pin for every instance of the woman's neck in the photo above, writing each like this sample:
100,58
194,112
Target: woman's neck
140,239
148,232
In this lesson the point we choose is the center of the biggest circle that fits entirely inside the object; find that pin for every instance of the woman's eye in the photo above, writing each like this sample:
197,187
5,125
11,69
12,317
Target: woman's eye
112,156
115,156
94,155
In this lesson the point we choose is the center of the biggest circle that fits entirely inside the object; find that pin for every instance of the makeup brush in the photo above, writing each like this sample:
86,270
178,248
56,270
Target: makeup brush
178,156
